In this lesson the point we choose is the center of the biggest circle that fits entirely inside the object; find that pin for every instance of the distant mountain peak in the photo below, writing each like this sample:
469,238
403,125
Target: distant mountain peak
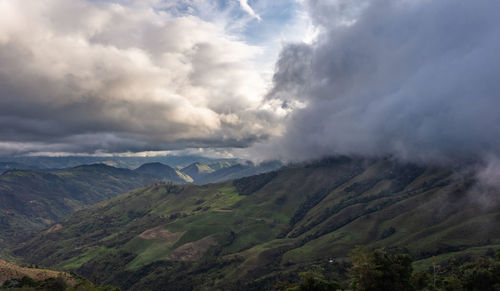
153,164
162,171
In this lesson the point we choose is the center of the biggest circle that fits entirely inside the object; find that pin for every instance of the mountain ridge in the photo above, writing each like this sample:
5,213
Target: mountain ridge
258,228
162,171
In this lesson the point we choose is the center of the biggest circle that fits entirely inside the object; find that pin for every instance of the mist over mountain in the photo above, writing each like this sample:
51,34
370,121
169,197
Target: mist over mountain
412,80
416,80
251,145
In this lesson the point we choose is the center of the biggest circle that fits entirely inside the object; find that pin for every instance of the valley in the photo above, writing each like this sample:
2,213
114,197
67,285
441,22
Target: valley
31,200
251,231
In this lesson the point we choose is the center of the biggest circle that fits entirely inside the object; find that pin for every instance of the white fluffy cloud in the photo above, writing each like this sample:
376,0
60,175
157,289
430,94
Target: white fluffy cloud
84,76
246,7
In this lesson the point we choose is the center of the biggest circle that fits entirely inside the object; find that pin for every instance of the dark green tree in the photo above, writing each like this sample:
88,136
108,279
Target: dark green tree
421,280
452,283
379,270
483,274
312,281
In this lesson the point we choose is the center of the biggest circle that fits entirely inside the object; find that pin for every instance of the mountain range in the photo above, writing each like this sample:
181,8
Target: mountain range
60,162
161,171
8,166
31,200
250,232
226,170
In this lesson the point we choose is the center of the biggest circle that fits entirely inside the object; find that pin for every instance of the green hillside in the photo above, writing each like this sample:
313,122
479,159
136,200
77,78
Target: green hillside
226,170
251,232
161,171
32,200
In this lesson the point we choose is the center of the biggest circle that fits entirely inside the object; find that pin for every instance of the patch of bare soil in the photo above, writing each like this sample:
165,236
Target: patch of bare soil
52,229
10,271
163,234
192,251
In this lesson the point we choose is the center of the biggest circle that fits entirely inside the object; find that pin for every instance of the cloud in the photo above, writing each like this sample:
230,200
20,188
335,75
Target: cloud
417,80
81,76
246,7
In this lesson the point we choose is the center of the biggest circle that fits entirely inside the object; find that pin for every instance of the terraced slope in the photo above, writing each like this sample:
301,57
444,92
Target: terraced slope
249,232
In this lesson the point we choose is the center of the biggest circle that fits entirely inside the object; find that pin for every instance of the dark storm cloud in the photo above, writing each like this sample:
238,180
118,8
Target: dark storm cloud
82,76
418,80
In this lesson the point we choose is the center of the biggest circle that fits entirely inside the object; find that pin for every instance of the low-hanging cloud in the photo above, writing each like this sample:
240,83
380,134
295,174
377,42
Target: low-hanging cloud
83,76
417,80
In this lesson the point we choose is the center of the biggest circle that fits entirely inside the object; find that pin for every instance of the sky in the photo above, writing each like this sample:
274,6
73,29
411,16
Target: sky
295,80
140,76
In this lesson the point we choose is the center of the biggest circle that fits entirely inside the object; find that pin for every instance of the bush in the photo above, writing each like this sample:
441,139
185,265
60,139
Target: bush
54,284
378,270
